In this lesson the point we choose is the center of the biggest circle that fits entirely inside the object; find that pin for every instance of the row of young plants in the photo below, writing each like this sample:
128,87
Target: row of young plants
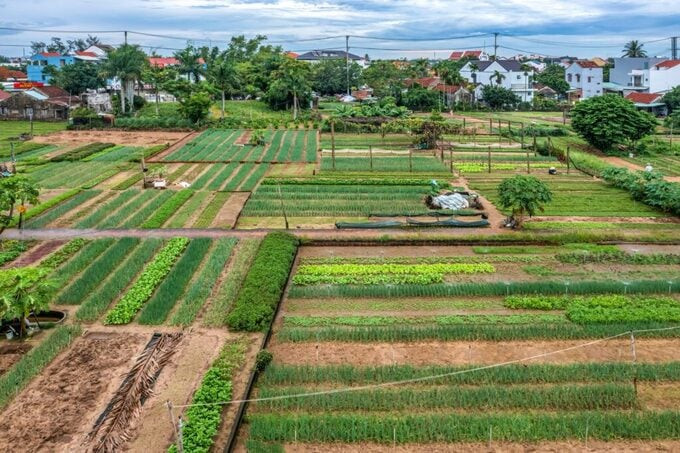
206,218
60,209
202,419
427,428
424,164
35,211
321,321
264,284
128,306
11,250
618,256
343,181
648,187
606,396
454,259
524,373
167,209
82,152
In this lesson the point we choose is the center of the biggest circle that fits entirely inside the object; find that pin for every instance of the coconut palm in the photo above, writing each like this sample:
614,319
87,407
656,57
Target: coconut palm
222,74
191,63
498,77
526,69
126,64
633,49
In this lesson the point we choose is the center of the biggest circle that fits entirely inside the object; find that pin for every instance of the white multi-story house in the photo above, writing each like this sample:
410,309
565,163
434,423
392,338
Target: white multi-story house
660,78
512,76
585,80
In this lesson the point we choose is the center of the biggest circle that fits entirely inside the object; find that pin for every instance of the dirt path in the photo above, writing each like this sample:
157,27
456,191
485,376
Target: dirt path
618,162
181,141
478,352
139,138
177,383
230,211
55,412
11,353
495,217
574,446
34,255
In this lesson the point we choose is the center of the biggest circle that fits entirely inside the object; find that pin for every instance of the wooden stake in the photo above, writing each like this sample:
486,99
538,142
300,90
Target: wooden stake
410,160
333,142
370,155
568,161
489,158
178,438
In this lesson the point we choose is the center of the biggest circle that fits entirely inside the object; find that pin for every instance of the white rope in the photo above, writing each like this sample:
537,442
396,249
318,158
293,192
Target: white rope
427,378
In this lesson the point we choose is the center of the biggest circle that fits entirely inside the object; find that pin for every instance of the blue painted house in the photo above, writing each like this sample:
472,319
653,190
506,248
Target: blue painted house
40,61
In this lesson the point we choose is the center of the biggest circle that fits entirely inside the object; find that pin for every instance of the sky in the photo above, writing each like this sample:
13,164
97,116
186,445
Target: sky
411,28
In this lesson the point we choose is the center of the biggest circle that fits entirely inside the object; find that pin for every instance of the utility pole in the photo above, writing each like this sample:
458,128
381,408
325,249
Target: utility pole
495,46
125,37
347,63
674,47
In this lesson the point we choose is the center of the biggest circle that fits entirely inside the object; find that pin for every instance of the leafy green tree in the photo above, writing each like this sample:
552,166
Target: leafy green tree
498,77
196,106
222,74
157,77
553,76
330,76
610,120
420,99
290,86
498,97
418,68
673,120
449,71
384,77
634,49
672,99
430,131
78,77
15,193
25,290
523,195
191,63
126,63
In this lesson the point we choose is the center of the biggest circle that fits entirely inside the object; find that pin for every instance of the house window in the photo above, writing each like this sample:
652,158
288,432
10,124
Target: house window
519,77
645,65
578,78
590,79
62,62
569,77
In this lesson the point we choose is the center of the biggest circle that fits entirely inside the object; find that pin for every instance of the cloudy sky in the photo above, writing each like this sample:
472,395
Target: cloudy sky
581,28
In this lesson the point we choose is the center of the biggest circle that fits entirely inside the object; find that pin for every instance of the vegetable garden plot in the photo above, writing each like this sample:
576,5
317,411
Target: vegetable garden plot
575,195
74,174
216,145
117,153
421,164
669,165
334,200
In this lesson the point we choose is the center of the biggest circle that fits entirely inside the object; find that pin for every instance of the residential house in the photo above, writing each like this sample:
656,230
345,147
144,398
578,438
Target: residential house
512,77
660,78
649,102
316,56
163,62
585,80
44,103
451,94
628,73
12,75
40,61
544,91
601,62
469,54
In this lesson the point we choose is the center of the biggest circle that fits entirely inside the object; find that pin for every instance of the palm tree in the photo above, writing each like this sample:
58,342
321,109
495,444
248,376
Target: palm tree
222,74
498,77
633,49
25,290
526,69
191,63
126,63
16,191
157,76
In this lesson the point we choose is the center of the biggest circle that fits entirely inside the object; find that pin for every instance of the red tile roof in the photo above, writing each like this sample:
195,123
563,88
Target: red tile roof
50,54
587,64
458,54
4,95
292,54
643,98
668,64
52,92
444,88
6,73
82,53
361,94
162,62
425,82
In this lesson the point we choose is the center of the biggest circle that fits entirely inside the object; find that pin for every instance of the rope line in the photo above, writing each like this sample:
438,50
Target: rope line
432,377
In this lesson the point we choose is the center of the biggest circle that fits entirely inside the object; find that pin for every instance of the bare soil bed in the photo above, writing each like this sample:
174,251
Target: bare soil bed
55,412
35,254
118,137
478,352
230,211
11,352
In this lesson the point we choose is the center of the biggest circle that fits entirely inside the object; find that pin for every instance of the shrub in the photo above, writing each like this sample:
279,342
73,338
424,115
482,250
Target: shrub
264,284
262,360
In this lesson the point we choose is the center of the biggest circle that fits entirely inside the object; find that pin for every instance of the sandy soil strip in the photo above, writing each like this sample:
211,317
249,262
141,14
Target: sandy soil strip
118,178
465,353
496,447
55,412
227,216
244,138
110,136
177,383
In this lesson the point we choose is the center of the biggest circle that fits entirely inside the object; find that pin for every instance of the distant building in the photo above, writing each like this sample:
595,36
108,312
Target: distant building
12,75
163,62
316,56
660,78
649,102
40,61
513,77
470,54
44,103
544,91
628,73
585,80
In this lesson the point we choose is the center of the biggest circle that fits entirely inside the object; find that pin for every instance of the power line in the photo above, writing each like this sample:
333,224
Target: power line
449,38
432,377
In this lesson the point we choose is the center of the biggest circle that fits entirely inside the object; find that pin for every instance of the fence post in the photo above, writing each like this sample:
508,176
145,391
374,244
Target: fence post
490,126
528,166
333,142
463,124
489,158
568,161
451,159
370,155
410,160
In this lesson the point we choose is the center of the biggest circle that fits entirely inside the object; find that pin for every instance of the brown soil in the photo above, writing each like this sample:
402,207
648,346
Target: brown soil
577,219
58,408
10,353
82,210
495,217
496,447
35,254
244,138
177,383
479,352
290,170
659,396
618,162
647,249
228,214
118,137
